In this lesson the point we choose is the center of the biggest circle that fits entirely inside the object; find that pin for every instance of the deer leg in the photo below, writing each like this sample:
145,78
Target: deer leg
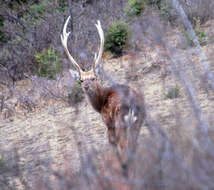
112,136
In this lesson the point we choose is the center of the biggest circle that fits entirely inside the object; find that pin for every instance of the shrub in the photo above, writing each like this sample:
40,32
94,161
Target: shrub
116,38
202,9
14,4
76,94
188,41
135,7
36,11
3,165
63,5
1,27
202,36
153,2
172,93
2,35
165,10
40,8
49,65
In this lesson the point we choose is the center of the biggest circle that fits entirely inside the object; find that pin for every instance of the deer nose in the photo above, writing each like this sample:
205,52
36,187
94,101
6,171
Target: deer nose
86,86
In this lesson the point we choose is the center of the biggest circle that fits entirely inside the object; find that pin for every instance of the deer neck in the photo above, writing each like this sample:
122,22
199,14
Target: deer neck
97,98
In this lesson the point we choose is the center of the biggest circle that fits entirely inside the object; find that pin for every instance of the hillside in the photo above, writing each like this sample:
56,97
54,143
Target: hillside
52,137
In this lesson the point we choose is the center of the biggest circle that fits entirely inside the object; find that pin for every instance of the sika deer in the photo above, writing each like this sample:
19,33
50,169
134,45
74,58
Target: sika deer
121,108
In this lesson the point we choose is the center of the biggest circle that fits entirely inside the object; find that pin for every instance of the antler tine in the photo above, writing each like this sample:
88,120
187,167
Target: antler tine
64,39
101,34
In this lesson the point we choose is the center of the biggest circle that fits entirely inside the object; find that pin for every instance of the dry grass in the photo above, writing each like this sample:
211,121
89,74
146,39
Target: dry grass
67,148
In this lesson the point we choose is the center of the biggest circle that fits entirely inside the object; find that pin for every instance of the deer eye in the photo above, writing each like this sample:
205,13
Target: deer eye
81,81
93,79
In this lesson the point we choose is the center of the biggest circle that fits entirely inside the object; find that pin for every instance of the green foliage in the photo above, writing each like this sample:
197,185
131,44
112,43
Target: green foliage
49,65
1,27
1,21
14,4
153,2
202,36
3,38
116,38
172,93
63,5
35,11
165,10
200,33
76,94
2,164
188,39
21,1
40,8
135,7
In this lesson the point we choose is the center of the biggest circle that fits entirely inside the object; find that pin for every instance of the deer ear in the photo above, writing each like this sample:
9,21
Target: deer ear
74,74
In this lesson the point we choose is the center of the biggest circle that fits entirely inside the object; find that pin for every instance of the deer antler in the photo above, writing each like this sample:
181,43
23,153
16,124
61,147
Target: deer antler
101,34
64,39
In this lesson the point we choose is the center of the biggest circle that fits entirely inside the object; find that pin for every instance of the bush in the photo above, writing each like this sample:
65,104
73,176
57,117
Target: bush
3,165
76,94
188,41
49,65
172,93
63,5
153,2
200,33
14,4
116,38
1,27
2,35
202,9
40,8
36,11
165,10
202,36
135,7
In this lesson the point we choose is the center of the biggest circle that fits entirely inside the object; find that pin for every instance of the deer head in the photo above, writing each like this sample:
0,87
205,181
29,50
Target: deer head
88,79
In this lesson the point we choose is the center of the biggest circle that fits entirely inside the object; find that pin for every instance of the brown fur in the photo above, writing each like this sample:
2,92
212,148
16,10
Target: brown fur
122,108
114,104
